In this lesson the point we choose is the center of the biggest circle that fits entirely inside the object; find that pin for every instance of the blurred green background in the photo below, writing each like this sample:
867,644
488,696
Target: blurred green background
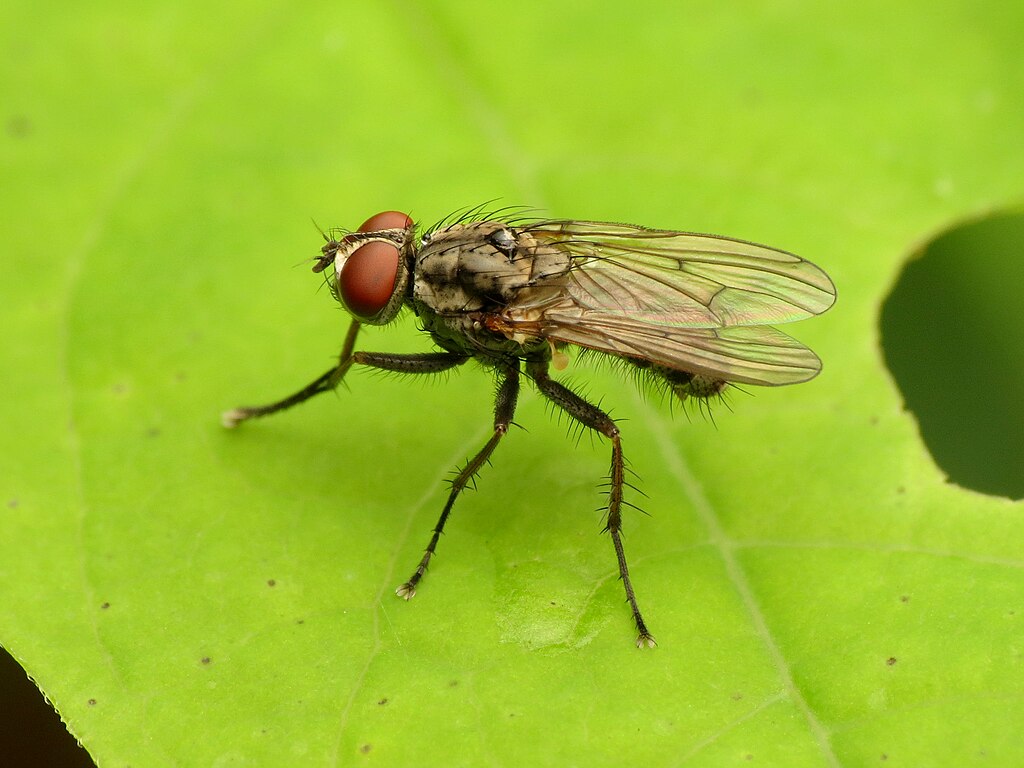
822,595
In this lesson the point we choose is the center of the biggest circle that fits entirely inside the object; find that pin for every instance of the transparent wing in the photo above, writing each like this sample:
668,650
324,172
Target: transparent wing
684,279
692,302
752,354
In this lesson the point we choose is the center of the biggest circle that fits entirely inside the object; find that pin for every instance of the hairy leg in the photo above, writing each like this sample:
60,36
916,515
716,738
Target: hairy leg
504,410
593,417
427,362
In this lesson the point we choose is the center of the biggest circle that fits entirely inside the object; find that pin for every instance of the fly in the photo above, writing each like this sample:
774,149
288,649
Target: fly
692,312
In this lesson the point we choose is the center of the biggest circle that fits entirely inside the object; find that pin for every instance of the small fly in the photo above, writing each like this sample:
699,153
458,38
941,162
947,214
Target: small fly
690,312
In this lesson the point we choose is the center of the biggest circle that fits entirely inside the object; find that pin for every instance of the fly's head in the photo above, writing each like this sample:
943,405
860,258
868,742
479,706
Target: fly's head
369,267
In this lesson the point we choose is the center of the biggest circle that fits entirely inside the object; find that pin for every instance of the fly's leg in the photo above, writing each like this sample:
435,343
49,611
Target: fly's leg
593,417
429,362
504,410
324,383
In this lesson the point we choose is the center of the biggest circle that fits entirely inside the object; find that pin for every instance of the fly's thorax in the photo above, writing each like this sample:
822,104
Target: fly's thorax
370,270
485,266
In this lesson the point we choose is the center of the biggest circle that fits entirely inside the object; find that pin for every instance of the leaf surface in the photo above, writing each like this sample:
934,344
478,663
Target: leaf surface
187,595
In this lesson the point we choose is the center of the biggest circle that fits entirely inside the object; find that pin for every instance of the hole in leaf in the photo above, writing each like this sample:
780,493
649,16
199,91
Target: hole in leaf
31,733
953,337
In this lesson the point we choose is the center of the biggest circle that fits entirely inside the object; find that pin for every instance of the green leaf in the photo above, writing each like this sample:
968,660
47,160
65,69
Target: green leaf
188,595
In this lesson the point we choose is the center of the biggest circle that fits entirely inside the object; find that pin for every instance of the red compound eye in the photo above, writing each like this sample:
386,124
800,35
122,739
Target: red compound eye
368,278
386,220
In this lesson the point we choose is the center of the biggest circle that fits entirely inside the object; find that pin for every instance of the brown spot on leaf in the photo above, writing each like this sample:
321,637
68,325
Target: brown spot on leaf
18,126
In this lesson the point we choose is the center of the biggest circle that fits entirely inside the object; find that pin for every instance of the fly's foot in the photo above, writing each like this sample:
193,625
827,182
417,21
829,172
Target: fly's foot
406,591
234,417
645,640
